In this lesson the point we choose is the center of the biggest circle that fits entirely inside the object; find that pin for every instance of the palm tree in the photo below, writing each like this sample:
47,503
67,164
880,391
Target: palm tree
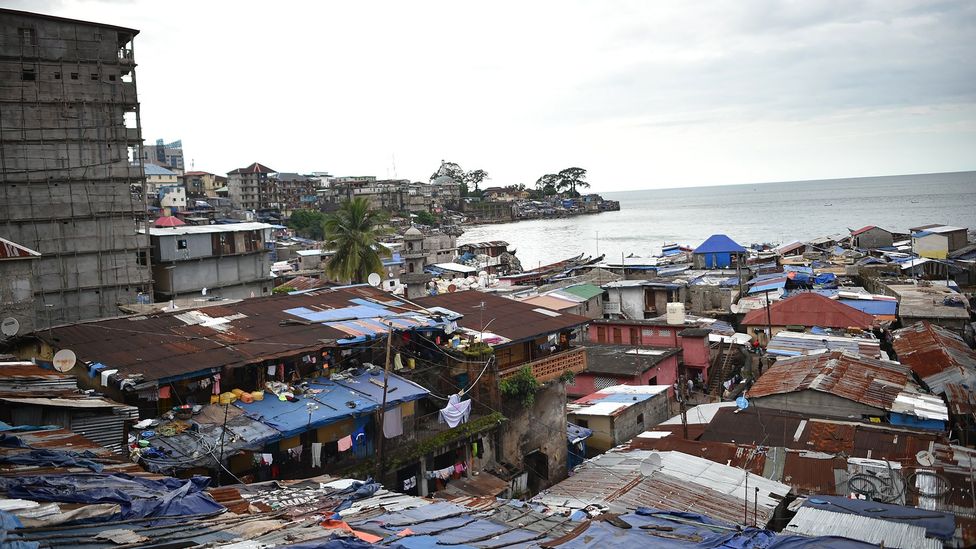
352,232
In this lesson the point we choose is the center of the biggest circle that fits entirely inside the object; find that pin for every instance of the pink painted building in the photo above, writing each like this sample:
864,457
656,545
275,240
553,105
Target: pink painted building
609,365
692,341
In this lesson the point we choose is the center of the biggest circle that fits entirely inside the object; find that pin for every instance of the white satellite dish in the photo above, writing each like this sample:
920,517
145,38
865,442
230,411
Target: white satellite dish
64,360
650,464
10,326
203,291
374,280
925,458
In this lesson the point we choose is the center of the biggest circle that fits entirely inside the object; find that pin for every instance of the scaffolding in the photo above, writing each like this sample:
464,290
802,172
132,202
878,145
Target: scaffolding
71,173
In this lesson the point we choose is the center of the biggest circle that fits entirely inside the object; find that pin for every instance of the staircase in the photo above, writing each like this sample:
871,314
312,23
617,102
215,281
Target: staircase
721,373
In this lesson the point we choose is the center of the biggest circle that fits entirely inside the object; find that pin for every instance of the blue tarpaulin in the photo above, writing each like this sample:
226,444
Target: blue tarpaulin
10,522
337,401
6,427
55,458
879,307
137,497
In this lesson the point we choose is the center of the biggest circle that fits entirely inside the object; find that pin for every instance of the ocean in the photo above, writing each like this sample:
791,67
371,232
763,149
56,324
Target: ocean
753,213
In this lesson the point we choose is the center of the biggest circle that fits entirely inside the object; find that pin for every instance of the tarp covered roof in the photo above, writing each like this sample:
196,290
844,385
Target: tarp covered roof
719,243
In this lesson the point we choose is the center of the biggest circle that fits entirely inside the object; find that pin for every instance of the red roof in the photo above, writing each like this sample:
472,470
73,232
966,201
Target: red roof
861,379
864,230
809,309
254,168
936,354
12,250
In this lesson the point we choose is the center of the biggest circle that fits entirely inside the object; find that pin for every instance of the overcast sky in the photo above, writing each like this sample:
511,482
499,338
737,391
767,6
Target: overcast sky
642,94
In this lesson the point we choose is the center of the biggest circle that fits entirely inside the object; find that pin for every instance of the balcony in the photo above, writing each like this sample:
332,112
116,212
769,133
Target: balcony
552,367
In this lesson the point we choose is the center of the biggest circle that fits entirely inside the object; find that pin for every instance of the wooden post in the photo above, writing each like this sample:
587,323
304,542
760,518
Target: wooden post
380,465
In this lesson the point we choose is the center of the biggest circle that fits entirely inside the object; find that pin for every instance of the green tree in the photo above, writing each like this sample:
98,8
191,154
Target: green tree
548,184
454,171
570,179
521,386
308,223
475,178
353,233
426,218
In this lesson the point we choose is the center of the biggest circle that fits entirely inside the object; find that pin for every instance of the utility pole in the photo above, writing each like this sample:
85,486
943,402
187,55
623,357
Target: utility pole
769,325
745,512
683,391
386,383
223,430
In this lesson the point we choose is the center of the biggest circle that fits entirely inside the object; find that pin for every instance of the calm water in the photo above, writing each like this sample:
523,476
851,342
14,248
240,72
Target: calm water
770,212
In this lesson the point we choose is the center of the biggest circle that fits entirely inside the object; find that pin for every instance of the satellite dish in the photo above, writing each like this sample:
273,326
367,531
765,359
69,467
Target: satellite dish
64,360
650,464
742,403
374,280
390,274
925,458
10,326
203,291
451,289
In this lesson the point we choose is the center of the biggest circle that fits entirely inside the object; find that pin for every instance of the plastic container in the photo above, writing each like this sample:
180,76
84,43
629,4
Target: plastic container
676,314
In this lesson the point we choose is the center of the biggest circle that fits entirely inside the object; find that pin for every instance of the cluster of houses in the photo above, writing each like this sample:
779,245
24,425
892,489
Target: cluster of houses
710,395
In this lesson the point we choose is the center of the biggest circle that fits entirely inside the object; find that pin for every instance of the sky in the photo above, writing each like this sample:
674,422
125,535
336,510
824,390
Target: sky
641,94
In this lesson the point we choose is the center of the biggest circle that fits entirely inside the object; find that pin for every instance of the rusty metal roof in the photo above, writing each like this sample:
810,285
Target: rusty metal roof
511,319
19,379
68,441
937,355
962,401
809,309
861,379
171,344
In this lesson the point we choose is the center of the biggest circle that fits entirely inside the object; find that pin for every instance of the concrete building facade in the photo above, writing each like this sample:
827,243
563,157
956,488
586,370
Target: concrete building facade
16,289
252,188
203,184
69,134
158,176
169,155
230,261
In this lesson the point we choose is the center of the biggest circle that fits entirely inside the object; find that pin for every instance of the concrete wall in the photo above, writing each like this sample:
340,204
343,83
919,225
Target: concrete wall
65,160
631,301
17,293
872,238
539,428
817,404
934,246
610,431
231,276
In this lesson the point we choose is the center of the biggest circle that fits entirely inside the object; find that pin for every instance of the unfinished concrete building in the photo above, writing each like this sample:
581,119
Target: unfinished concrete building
69,132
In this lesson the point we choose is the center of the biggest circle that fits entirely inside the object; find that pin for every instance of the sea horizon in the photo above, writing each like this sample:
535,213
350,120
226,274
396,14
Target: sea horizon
773,212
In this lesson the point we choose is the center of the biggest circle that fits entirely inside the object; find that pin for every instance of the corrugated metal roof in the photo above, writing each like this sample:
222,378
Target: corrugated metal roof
860,379
614,400
621,360
207,229
12,250
787,343
809,309
681,482
818,522
509,318
937,355
163,345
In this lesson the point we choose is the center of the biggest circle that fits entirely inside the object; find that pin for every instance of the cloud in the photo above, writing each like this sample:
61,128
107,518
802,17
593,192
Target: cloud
640,93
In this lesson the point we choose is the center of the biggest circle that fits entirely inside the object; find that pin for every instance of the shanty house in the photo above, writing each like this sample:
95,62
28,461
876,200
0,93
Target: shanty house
693,341
619,413
804,310
609,365
955,237
839,384
871,237
718,252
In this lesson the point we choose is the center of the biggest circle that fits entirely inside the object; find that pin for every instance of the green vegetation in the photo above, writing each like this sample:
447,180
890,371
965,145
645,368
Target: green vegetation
426,218
469,181
521,385
308,224
568,377
566,181
353,233
283,290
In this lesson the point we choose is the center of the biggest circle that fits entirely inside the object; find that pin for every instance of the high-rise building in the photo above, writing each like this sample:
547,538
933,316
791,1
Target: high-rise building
71,177
169,155
253,187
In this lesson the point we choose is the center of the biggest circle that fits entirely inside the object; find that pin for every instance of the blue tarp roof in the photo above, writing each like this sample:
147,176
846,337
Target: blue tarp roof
872,307
719,243
338,400
770,285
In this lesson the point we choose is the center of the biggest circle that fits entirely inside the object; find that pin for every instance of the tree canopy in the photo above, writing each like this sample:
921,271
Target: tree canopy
571,178
353,232
308,223
469,181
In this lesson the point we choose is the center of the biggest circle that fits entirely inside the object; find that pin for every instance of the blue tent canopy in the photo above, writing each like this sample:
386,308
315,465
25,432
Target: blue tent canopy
719,243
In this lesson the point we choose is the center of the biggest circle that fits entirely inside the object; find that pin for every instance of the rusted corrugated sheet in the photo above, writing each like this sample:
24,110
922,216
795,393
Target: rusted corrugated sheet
962,401
860,379
68,441
935,354
511,319
162,345
813,475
